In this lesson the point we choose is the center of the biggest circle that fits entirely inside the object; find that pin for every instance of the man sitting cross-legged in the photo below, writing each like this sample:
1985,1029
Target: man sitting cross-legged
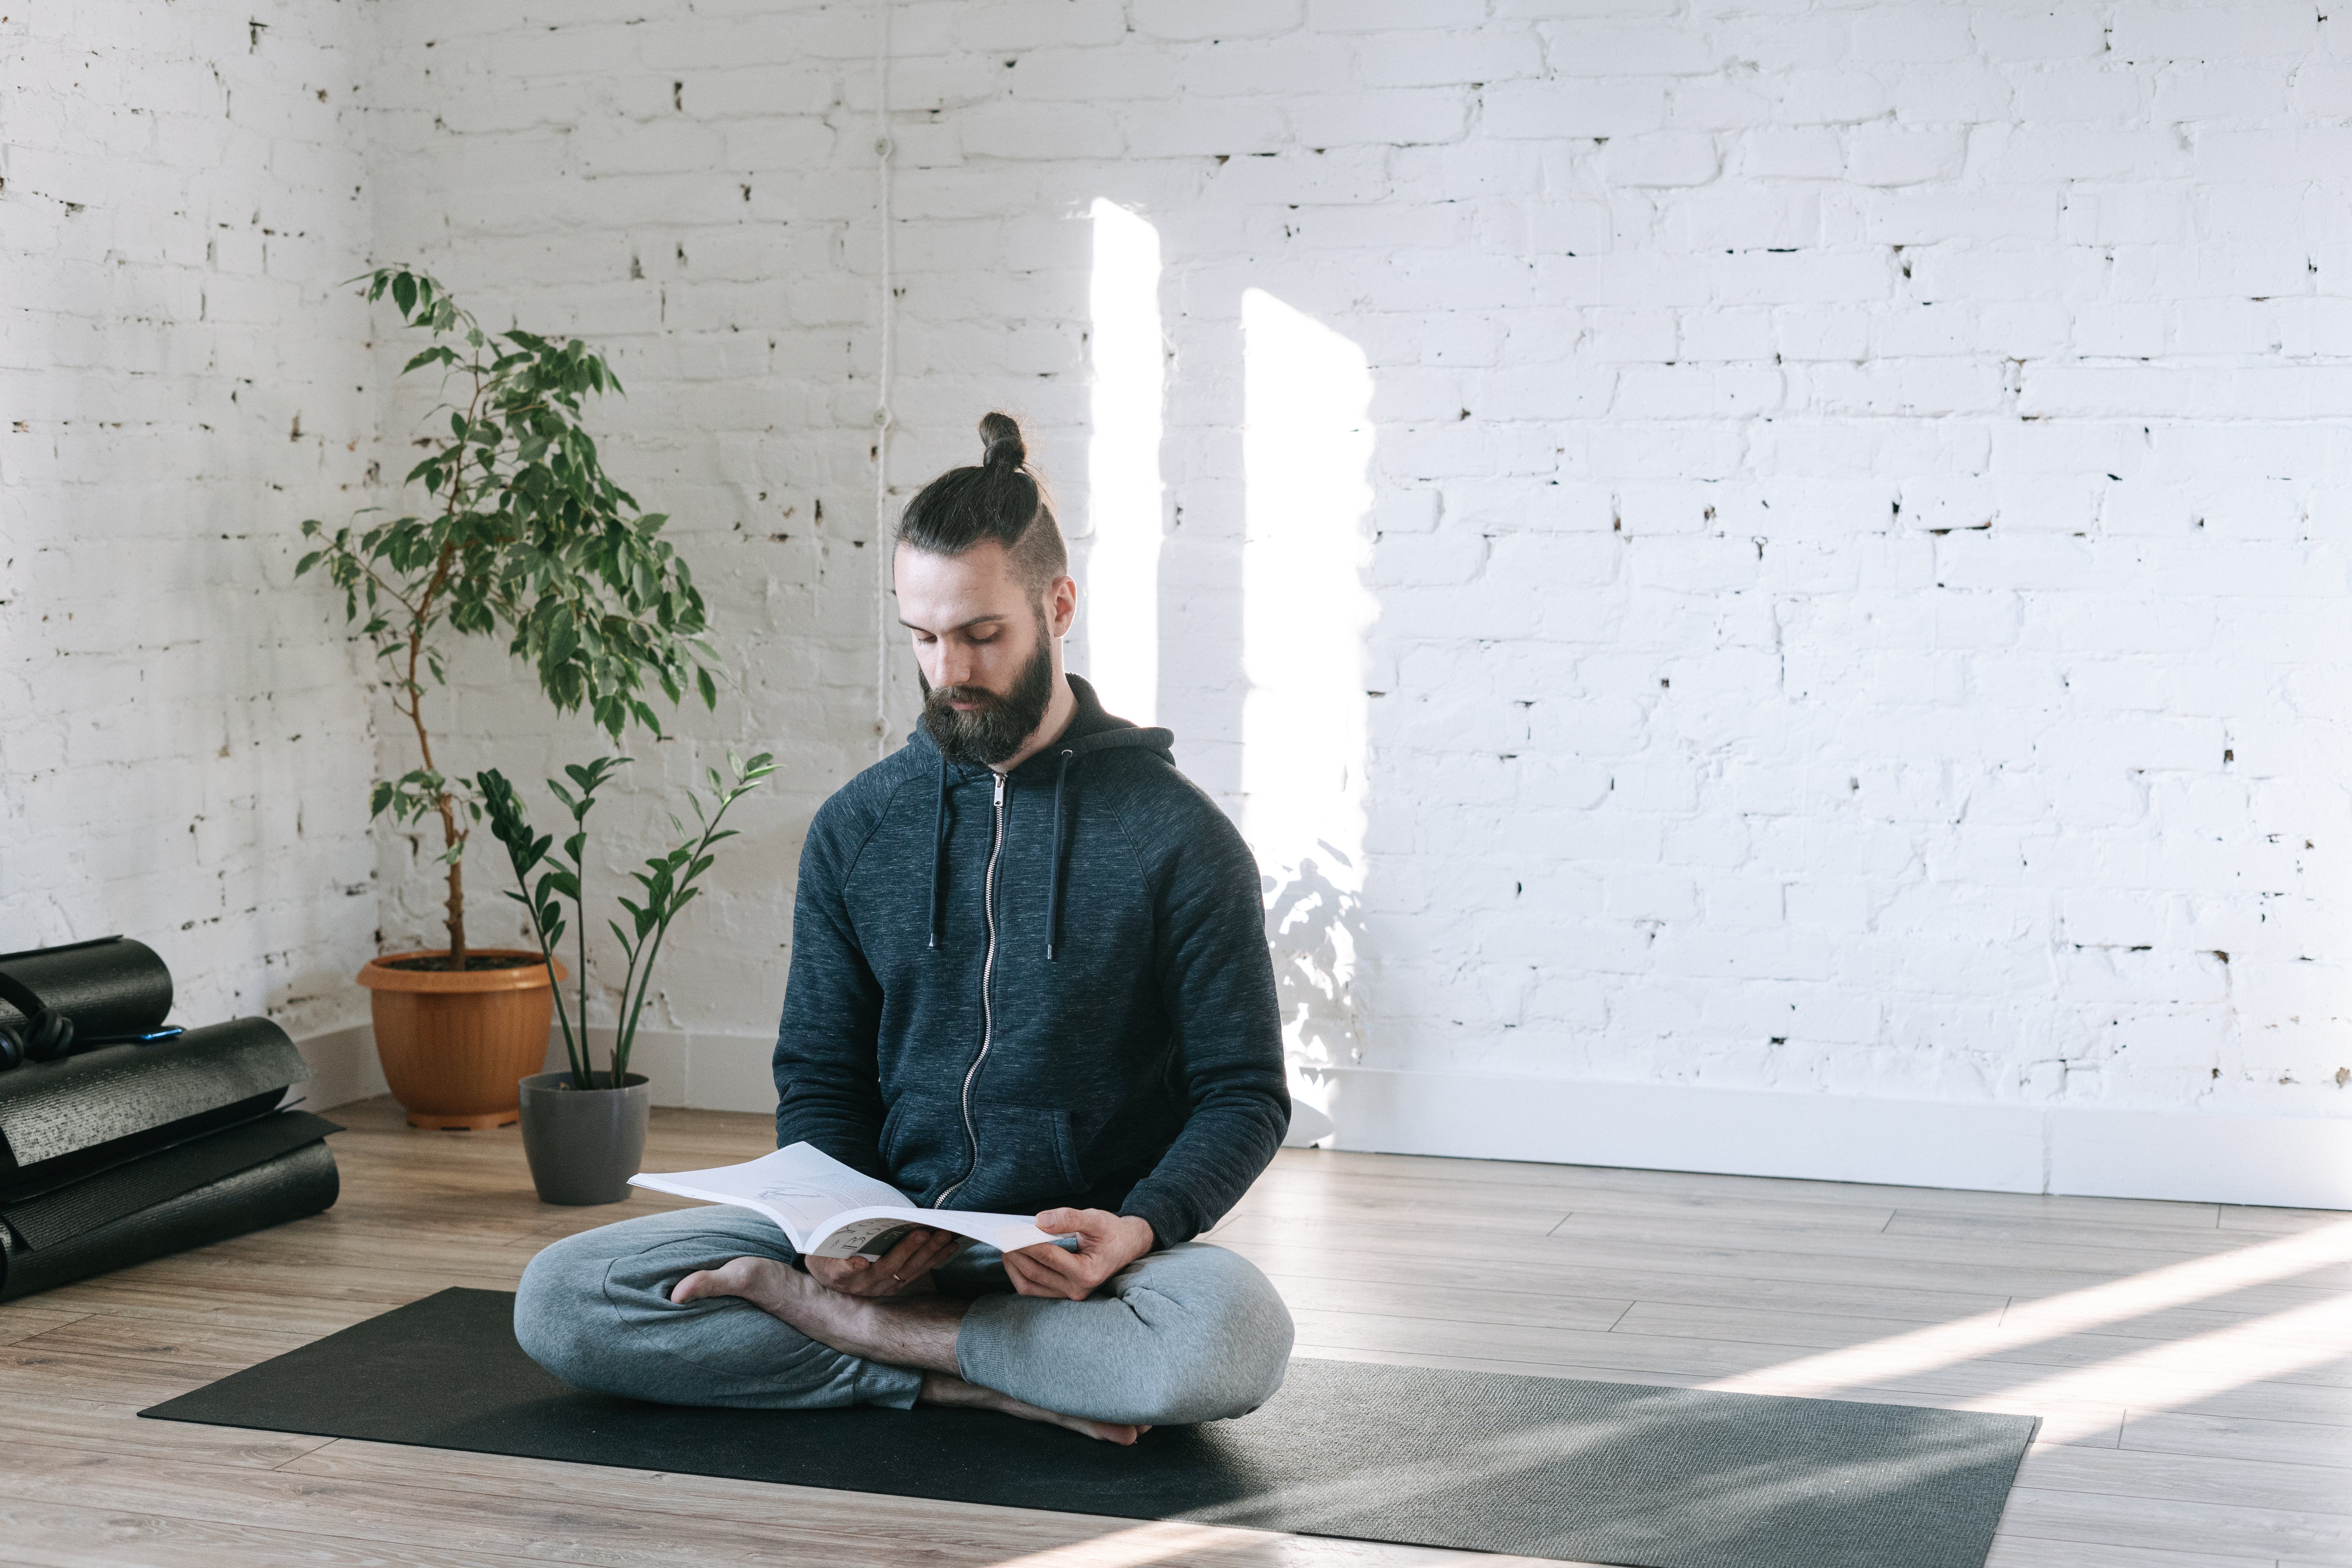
1029,975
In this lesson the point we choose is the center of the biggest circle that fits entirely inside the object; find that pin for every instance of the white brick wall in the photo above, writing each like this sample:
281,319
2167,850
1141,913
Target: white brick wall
1859,543
183,744
1872,630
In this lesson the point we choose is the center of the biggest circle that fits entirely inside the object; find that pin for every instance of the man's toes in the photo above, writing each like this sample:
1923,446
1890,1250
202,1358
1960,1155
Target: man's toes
1118,1432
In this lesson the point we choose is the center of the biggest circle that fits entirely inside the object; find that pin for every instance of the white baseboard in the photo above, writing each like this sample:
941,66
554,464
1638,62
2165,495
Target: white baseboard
702,1072
2196,1157
705,1072
2298,1163
343,1067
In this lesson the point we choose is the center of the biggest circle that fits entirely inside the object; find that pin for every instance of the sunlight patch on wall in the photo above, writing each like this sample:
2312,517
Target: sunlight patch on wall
1123,489
1307,449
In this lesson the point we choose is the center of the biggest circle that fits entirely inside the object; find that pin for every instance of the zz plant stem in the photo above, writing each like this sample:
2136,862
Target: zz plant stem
524,853
668,883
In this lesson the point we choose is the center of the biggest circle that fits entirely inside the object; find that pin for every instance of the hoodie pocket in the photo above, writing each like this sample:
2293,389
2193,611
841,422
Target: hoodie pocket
922,1143
1066,1147
1030,1149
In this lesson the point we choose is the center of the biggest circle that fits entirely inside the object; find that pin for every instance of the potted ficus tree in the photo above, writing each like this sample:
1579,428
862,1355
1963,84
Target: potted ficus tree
583,1129
527,536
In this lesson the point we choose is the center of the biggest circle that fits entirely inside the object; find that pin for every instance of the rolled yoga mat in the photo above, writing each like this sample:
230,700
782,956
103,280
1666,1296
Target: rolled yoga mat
1599,1472
299,1182
110,987
55,1214
50,1110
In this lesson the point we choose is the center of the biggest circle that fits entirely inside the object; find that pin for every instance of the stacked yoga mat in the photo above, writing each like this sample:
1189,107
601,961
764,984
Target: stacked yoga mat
122,1139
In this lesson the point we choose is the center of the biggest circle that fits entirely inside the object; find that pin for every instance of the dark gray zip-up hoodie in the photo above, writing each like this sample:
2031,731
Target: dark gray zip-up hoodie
1049,990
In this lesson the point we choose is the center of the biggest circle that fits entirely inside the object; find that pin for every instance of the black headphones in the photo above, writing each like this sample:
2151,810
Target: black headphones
46,1035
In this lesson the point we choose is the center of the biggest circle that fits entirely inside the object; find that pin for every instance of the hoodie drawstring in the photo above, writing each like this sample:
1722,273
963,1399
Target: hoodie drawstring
1060,863
940,854
1057,871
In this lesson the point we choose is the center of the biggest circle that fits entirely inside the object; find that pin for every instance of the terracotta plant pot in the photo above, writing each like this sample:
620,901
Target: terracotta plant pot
455,1044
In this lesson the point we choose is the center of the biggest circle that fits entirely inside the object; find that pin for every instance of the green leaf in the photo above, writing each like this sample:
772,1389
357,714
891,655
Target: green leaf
404,292
708,687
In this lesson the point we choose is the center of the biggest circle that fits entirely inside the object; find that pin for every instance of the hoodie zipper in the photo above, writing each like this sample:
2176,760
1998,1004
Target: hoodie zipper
987,977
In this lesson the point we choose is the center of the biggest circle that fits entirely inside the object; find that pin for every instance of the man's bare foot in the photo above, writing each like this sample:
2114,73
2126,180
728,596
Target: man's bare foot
904,1330
938,1388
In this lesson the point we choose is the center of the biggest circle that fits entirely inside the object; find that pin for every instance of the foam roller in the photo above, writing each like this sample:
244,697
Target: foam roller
300,1182
111,986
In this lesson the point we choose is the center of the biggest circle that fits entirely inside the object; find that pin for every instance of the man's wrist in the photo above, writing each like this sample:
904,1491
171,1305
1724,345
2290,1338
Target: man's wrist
1140,1235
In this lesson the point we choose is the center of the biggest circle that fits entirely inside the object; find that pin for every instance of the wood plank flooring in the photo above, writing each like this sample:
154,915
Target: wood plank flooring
2192,1361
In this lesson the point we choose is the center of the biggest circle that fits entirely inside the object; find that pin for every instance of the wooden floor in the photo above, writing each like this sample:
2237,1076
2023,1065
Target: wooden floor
2193,1362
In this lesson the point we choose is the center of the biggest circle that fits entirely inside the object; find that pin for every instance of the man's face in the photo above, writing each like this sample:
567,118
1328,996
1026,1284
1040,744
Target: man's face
985,648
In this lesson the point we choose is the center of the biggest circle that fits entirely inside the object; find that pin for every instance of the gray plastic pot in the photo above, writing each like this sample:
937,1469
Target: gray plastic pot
583,1144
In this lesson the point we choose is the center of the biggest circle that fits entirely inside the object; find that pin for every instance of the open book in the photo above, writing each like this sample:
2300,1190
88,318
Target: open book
829,1210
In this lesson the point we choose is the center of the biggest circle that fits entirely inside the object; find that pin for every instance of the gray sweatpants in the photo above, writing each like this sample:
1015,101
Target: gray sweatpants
1186,1334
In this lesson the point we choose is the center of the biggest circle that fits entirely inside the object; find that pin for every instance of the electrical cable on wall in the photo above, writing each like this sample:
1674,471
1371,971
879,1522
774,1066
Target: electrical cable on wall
882,419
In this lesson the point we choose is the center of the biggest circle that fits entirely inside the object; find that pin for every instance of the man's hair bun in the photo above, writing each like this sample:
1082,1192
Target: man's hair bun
1002,446
1000,499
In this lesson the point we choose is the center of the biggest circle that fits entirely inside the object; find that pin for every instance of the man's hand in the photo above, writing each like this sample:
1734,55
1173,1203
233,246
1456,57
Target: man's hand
906,1267
1107,1244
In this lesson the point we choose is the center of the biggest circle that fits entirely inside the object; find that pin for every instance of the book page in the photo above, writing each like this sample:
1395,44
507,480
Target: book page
875,1231
827,1210
798,1186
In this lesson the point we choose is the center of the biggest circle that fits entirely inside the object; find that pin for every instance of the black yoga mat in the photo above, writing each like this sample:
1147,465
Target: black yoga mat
300,1182
48,1218
52,1109
83,1164
110,987
1664,1477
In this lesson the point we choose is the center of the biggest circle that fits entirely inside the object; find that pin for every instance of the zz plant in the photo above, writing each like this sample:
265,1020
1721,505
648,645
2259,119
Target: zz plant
667,884
526,535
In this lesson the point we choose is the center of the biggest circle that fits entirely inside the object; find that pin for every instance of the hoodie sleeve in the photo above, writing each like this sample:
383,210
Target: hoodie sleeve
828,1091
1217,982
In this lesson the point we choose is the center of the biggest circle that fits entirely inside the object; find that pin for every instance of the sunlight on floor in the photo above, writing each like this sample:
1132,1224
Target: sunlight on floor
1130,1548
1123,489
2081,1402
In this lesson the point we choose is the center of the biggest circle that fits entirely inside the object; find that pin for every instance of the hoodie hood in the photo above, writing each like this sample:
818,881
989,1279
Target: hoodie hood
1092,730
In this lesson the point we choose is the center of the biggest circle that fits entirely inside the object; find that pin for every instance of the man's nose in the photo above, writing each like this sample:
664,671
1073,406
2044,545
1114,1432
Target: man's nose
951,667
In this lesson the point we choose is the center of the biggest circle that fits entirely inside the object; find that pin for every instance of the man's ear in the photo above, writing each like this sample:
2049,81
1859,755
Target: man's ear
1061,605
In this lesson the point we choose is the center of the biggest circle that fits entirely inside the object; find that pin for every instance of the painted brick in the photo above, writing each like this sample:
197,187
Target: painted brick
1766,651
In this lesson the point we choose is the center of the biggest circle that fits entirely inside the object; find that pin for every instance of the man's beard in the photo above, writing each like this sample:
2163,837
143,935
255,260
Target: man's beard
993,730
